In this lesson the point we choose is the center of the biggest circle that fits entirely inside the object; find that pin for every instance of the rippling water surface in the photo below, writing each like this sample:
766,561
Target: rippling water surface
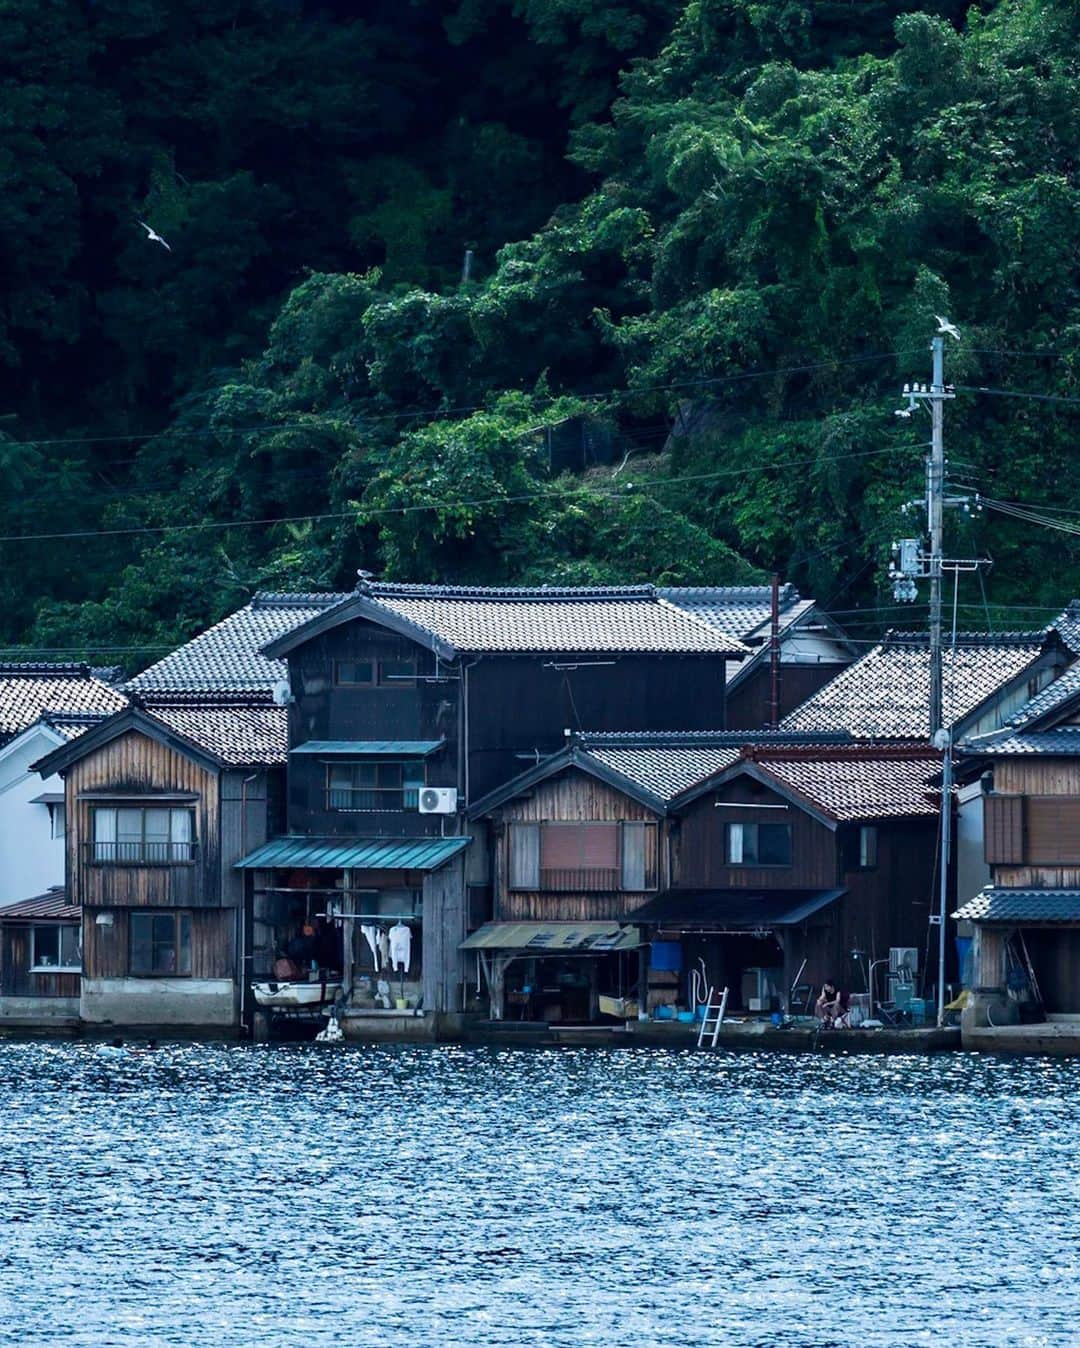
405,1197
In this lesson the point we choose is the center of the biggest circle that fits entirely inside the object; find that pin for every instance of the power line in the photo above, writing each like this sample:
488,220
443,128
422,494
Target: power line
169,432
507,499
1014,393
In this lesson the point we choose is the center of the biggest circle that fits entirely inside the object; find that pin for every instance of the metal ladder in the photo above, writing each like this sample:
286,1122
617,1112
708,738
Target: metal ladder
714,1018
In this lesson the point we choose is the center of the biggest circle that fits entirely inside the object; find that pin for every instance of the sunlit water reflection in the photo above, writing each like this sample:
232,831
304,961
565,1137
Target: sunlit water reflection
406,1197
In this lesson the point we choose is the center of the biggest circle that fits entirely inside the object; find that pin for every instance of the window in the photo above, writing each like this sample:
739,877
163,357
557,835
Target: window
143,835
57,820
386,785
354,673
759,844
55,949
583,857
367,673
160,944
867,847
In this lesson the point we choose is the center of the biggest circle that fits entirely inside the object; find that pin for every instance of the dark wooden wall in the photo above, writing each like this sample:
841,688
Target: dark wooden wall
574,796
700,858
520,705
139,768
16,980
1055,956
748,704
213,945
428,710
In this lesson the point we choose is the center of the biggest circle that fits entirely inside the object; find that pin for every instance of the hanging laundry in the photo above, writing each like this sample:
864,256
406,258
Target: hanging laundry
371,936
384,950
400,947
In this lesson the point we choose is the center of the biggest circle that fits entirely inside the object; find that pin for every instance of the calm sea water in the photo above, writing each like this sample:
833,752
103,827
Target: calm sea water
405,1197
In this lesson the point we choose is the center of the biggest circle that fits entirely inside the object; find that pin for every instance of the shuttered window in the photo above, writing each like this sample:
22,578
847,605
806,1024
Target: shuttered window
583,857
1003,830
1053,830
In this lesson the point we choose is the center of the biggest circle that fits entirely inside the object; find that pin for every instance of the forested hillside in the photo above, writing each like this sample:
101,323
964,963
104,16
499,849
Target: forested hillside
523,290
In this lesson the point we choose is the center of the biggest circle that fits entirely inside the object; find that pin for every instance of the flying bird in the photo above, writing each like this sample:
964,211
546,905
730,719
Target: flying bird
943,325
155,237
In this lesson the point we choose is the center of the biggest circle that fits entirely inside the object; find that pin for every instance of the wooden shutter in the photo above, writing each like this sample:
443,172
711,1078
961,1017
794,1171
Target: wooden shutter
1003,830
524,856
579,856
1053,830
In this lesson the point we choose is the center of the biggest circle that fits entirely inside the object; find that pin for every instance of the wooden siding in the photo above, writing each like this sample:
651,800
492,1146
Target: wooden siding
213,945
16,980
1053,830
1003,829
574,797
138,767
700,851
748,704
443,932
1037,776
1055,956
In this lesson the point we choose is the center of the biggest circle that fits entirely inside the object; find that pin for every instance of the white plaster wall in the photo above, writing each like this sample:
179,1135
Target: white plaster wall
158,1001
30,859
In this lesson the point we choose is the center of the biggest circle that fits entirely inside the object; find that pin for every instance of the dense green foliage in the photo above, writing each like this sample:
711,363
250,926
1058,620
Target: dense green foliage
725,217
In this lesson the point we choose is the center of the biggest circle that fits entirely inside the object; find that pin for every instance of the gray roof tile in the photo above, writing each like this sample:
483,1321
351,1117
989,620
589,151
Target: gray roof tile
1064,741
738,610
886,694
597,618
239,731
1021,906
29,690
226,657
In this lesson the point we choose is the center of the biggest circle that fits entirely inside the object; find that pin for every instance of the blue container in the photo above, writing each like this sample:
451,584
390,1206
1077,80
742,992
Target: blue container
666,956
777,1018
687,1017
664,1013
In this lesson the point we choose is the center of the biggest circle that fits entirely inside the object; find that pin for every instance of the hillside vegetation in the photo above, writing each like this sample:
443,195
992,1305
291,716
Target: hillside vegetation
705,243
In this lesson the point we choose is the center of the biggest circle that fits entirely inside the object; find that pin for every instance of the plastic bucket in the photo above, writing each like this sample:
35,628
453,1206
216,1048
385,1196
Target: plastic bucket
400,1004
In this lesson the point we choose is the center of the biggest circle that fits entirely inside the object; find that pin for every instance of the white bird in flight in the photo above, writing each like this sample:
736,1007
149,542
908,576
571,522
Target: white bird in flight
945,326
155,237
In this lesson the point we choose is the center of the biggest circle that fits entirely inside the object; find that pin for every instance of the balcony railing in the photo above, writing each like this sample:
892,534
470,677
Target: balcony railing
587,879
373,798
144,853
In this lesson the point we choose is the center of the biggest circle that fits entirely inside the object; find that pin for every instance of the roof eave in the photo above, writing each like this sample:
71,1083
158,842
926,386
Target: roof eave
574,757
359,606
746,767
121,723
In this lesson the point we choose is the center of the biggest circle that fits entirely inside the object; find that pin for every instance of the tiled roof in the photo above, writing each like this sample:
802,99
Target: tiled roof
29,690
1067,625
238,731
226,657
738,610
667,764
852,783
1064,687
886,694
1022,906
53,903
70,725
598,618
1064,741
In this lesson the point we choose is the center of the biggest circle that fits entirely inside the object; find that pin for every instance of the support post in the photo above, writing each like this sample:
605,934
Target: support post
774,656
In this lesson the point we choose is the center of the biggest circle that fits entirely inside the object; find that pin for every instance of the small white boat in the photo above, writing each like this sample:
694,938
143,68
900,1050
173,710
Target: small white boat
295,994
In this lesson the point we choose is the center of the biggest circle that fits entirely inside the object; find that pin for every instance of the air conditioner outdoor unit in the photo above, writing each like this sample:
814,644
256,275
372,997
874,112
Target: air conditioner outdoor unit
438,800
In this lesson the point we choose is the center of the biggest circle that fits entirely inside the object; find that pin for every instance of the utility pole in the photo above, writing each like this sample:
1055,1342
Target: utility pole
911,562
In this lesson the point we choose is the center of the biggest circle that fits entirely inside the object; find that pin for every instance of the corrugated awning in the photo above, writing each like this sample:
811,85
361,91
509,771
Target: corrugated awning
52,904
370,748
1021,906
735,908
552,937
341,854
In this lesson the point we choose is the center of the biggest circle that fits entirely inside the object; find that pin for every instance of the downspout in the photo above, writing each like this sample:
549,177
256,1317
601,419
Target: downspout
243,932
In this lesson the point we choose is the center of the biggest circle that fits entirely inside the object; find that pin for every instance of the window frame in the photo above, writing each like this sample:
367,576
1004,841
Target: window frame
57,820
516,882
407,792
340,682
143,808
182,926
59,927
745,825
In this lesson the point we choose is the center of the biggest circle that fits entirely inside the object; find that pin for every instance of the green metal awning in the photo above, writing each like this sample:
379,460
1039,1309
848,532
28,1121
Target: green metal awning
342,854
370,748
552,937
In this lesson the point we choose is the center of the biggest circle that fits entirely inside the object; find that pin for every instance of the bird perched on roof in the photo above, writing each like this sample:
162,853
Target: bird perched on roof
153,236
943,326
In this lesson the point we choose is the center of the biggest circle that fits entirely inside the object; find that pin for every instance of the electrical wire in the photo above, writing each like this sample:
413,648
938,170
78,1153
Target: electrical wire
1016,393
503,499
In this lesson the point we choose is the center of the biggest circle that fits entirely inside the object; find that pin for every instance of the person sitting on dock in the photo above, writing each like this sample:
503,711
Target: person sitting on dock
833,1007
